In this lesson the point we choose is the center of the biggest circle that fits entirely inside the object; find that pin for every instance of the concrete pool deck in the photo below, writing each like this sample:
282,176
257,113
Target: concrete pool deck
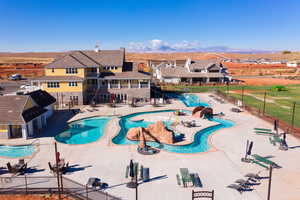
216,169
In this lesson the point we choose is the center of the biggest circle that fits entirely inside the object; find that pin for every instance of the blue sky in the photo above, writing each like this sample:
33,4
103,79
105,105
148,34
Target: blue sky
59,25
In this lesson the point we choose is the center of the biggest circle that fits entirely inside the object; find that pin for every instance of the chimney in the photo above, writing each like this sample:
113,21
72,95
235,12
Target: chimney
96,48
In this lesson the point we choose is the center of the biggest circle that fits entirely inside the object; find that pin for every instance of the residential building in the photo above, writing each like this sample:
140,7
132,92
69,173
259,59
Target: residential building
82,77
294,63
24,116
202,71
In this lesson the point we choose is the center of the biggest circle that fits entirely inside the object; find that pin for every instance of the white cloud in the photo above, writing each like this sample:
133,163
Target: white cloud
157,45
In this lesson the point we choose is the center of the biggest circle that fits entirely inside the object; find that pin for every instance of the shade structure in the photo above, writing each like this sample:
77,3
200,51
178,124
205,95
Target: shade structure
250,148
284,137
131,170
275,125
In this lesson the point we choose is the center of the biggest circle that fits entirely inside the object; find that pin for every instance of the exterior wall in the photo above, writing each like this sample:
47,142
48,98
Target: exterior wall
118,70
63,87
64,97
130,92
62,72
50,110
171,80
24,132
30,131
4,131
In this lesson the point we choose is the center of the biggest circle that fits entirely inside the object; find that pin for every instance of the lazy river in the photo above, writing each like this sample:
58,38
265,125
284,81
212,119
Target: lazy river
200,143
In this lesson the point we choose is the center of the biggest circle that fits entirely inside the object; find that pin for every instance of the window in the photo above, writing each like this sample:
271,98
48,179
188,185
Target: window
52,70
53,84
72,84
71,70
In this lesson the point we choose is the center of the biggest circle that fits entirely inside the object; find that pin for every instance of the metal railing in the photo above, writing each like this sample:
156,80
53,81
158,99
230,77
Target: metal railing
48,184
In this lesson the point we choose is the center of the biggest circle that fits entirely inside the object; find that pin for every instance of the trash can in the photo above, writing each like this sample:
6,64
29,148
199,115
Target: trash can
146,175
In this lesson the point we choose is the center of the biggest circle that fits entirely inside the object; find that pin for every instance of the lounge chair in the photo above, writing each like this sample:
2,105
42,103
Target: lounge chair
243,183
265,160
253,176
11,169
197,182
237,187
262,129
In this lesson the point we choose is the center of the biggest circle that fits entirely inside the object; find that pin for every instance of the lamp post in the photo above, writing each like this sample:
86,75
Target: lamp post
264,106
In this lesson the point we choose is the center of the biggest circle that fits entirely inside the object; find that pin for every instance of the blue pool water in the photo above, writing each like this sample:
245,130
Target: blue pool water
200,143
190,100
84,131
16,151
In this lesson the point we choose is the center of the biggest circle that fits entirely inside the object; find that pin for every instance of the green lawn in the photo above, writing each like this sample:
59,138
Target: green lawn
282,101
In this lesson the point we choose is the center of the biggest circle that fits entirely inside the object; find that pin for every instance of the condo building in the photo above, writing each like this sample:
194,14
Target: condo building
100,76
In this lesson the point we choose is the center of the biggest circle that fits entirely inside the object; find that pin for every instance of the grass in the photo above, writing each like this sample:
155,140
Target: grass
281,102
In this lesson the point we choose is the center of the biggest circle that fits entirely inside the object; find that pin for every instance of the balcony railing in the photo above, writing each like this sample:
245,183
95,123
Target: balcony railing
144,85
114,85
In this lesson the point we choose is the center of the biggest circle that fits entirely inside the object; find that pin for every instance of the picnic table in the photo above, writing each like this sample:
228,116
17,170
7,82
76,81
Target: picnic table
186,177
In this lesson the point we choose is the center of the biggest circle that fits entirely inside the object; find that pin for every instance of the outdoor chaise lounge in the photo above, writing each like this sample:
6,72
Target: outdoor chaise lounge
17,168
265,160
282,143
237,187
253,176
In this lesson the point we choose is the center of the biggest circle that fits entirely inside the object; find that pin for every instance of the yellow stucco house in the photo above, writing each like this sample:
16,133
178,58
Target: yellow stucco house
80,77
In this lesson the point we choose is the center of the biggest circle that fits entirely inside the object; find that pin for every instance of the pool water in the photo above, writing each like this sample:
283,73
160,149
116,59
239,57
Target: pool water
84,131
200,143
16,151
190,100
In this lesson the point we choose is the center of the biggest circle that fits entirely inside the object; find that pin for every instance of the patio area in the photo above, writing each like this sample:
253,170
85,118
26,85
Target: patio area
217,168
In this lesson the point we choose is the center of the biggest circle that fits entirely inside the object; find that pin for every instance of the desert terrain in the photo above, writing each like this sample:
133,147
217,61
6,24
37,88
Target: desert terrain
31,64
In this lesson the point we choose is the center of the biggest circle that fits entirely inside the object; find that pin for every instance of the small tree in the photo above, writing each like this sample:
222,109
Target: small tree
286,52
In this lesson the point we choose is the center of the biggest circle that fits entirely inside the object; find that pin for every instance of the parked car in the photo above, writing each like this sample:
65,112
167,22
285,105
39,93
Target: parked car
15,77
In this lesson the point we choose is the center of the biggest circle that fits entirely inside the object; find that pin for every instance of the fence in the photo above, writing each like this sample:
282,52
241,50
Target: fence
48,184
203,194
264,108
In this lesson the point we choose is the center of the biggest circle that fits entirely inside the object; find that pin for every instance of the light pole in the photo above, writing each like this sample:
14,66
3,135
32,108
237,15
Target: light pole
264,107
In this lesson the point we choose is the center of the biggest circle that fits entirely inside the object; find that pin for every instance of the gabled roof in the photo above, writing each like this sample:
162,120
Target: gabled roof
182,72
80,59
204,64
58,78
11,108
42,98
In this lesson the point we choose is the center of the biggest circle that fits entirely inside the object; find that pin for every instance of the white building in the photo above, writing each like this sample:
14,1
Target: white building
24,116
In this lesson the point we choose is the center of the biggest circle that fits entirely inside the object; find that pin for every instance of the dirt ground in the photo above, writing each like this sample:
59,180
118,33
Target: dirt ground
32,197
268,81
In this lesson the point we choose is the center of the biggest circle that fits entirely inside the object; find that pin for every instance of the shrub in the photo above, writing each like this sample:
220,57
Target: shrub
279,88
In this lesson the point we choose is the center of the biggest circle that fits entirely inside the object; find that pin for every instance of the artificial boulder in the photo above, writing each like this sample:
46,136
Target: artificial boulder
155,132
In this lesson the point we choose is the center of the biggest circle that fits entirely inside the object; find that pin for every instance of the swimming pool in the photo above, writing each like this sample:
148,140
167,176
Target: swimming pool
18,151
84,131
200,143
190,100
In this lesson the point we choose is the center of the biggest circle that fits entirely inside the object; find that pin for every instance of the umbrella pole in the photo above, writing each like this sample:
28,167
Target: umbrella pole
270,181
57,172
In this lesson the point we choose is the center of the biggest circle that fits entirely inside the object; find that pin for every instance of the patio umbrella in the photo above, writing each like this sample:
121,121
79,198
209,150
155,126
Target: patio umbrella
131,170
275,125
250,148
284,137
247,146
57,156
